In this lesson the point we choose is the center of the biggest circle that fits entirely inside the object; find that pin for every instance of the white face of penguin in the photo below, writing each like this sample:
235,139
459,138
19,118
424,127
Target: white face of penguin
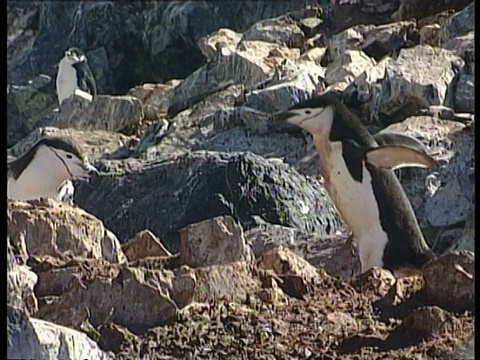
317,120
72,57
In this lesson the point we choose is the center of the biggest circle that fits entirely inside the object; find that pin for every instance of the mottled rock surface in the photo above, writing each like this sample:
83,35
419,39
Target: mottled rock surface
167,196
231,247
49,227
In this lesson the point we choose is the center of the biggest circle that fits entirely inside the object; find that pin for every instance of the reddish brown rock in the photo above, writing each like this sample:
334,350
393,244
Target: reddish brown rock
297,275
375,283
233,282
450,280
136,298
144,244
50,227
215,241
430,320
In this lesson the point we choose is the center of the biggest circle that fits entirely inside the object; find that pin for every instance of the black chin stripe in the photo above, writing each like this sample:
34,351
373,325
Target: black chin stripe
63,162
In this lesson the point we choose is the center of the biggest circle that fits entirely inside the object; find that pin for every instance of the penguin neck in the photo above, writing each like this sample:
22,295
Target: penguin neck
346,125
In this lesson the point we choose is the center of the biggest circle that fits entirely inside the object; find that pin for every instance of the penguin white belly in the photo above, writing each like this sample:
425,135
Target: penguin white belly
356,204
66,82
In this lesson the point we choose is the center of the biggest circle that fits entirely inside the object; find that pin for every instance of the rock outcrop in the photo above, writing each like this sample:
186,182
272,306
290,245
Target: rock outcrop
207,232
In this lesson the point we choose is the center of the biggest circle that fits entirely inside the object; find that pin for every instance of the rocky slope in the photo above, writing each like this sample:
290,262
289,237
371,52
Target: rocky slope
207,232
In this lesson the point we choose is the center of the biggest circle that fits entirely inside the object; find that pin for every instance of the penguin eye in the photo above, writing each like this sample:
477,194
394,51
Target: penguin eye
69,156
308,112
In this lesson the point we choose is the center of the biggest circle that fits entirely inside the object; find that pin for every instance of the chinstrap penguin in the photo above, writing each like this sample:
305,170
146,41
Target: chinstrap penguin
74,73
46,169
357,169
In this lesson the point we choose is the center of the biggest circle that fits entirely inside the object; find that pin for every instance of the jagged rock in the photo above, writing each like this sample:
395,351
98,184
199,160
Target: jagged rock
113,113
311,23
49,227
295,82
429,320
463,21
271,293
233,282
191,129
249,64
208,44
32,338
144,244
419,77
347,67
22,339
282,30
112,336
112,293
433,35
445,113
375,282
159,36
315,54
462,46
151,137
154,98
465,94
263,138
409,9
27,104
335,253
17,253
58,275
388,39
283,261
452,146
456,185
441,214
362,89
349,39
249,191
297,275
467,350
216,241
20,283
450,281
95,143
466,240
201,113
219,183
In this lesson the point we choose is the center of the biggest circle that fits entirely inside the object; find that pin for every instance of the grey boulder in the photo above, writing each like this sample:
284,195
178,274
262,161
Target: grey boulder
167,196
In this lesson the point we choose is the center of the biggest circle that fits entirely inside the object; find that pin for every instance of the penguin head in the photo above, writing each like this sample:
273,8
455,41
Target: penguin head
315,115
60,157
74,55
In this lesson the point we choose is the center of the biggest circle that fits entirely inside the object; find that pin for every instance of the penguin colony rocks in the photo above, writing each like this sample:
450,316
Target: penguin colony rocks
45,170
74,74
357,168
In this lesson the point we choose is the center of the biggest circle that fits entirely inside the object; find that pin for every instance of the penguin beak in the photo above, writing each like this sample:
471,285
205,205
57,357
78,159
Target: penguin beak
282,116
90,168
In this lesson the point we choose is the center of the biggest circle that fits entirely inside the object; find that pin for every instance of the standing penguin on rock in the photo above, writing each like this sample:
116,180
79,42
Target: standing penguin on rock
357,168
74,73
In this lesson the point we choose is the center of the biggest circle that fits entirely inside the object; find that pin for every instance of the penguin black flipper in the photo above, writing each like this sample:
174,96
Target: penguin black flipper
393,138
353,156
86,81
398,156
